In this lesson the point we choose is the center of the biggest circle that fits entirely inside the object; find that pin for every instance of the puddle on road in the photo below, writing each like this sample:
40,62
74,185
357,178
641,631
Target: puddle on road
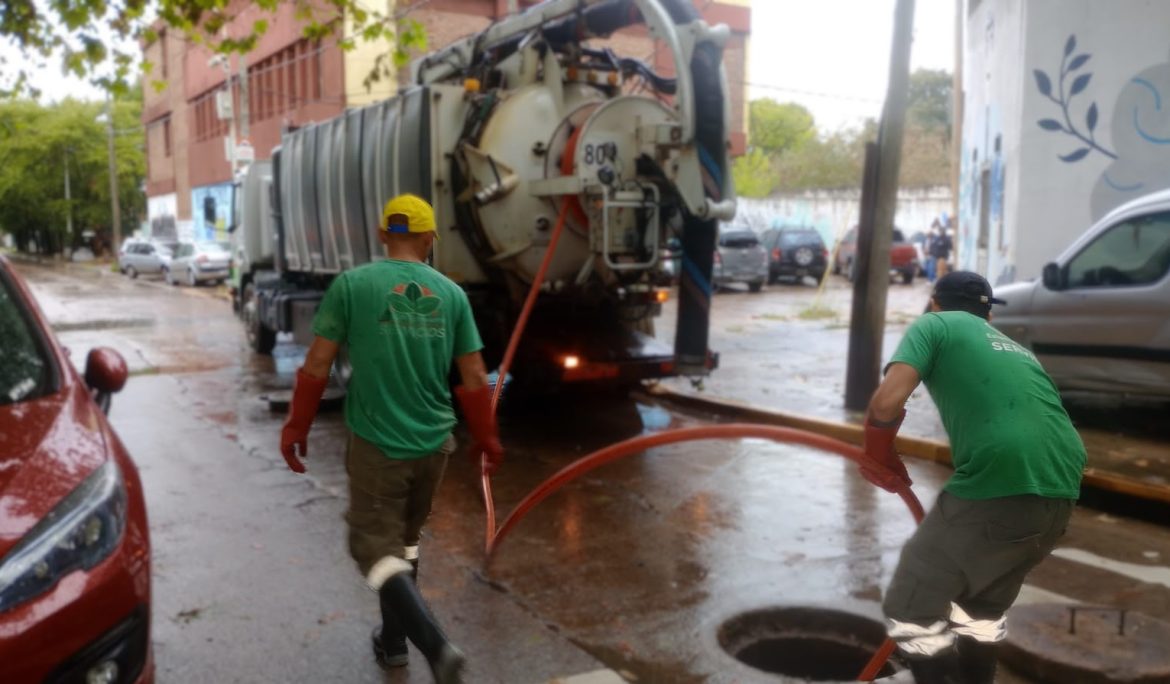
103,324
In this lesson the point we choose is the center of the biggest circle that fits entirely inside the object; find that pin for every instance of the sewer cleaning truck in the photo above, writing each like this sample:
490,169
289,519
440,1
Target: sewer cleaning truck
527,135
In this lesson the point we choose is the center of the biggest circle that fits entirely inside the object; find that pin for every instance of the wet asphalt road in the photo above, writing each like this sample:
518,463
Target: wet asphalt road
632,568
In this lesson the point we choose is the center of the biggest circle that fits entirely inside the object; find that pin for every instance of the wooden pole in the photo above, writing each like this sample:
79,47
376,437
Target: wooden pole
956,130
871,285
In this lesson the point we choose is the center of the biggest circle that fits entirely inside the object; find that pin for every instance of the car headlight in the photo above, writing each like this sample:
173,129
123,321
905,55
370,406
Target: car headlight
81,531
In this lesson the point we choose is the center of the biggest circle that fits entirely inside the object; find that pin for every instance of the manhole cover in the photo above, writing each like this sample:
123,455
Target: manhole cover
814,644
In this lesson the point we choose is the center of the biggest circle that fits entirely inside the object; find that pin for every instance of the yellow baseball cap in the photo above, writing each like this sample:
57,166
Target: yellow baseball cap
408,214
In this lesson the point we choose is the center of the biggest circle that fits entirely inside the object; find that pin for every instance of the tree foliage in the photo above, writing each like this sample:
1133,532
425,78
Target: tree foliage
38,143
778,127
755,174
928,101
100,41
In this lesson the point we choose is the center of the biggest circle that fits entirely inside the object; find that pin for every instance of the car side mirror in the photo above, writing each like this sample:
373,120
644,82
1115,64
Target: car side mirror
1052,276
105,370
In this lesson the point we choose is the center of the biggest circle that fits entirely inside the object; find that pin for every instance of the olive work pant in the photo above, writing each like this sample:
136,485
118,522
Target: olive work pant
389,499
975,553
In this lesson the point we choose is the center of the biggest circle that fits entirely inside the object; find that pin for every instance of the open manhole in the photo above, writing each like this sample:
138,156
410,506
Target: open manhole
814,644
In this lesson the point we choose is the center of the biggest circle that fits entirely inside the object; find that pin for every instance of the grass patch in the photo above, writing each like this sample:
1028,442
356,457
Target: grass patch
735,329
772,317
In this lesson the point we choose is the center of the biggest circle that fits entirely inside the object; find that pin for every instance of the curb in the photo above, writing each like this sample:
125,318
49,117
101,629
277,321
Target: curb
918,447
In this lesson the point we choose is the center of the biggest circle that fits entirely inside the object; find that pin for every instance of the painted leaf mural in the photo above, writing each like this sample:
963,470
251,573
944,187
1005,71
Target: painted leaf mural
1064,124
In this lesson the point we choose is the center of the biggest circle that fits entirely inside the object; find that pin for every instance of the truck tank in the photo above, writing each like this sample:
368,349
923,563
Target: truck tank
502,132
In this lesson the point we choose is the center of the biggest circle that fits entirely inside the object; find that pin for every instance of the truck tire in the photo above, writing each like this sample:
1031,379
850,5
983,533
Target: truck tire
261,338
907,277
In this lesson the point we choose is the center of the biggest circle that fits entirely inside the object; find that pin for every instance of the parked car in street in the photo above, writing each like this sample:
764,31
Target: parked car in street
144,256
740,258
795,253
1099,317
903,256
198,262
74,541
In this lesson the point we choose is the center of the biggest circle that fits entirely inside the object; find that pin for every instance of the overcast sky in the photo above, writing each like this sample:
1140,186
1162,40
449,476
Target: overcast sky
841,49
832,56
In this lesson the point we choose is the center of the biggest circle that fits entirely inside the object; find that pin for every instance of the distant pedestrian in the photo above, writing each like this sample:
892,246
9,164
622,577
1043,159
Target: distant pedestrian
927,258
940,252
1018,464
403,323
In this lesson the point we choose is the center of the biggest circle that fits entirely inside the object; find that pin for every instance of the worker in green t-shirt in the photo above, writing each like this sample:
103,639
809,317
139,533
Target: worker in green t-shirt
1018,464
403,323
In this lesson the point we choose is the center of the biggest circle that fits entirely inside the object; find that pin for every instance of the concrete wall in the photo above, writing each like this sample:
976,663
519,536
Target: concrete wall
834,212
1092,140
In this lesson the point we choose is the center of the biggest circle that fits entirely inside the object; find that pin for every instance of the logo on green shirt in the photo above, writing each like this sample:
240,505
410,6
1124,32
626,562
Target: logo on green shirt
414,310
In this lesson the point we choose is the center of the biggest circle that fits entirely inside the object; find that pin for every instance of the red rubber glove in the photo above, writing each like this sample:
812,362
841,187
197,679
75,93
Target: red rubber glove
477,411
882,465
294,436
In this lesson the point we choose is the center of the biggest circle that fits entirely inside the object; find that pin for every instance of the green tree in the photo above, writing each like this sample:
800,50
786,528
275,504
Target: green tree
755,174
88,35
778,127
928,101
40,144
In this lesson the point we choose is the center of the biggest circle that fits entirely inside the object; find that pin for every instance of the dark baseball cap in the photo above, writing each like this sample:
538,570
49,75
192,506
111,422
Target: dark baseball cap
964,286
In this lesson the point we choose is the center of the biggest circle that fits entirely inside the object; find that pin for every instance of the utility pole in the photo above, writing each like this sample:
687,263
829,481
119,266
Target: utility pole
870,289
245,104
115,210
957,128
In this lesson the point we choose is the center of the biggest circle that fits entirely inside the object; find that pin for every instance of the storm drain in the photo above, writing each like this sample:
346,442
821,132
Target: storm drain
816,644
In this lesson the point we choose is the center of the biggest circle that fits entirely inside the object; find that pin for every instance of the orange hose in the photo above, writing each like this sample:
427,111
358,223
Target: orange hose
493,537
485,482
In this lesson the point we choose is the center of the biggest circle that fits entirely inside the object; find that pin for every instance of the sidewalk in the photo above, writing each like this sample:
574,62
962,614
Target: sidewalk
782,360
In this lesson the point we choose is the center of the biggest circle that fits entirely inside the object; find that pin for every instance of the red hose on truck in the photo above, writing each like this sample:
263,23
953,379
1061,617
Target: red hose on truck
493,537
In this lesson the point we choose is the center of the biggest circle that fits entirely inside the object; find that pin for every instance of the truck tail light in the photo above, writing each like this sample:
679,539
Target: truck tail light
777,255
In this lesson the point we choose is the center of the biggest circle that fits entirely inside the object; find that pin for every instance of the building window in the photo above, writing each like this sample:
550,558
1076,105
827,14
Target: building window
205,118
285,81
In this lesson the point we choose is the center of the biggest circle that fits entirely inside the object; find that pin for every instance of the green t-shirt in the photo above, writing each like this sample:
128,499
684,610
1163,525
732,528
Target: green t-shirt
403,323
1009,431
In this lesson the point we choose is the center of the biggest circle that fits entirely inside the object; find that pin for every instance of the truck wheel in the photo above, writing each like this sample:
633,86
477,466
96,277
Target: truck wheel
907,277
261,338
130,272
755,287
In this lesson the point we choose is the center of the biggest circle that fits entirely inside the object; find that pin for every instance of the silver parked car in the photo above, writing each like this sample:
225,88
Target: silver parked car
199,262
141,256
740,258
1099,318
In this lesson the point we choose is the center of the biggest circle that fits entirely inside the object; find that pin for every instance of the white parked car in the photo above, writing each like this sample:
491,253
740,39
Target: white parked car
1099,318
198,262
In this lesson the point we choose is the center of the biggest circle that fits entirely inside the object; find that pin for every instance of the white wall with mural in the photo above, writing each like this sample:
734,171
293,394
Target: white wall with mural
1066,116
833,212
211,211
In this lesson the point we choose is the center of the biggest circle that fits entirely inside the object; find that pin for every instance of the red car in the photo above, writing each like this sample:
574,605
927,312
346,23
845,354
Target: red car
74,544
903,256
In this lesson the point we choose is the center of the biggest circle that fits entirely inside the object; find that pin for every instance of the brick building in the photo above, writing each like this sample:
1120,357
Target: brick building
288,80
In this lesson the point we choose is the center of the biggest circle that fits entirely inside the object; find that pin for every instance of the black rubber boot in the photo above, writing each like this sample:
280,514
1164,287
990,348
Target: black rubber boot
389,640
400,594
942,668
977,660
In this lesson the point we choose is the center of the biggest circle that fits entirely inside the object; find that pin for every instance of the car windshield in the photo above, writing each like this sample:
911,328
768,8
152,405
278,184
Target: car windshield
791,238
25,368
738,238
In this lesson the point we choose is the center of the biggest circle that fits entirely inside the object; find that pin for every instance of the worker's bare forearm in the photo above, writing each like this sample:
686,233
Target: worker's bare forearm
320,357
472,372
890,398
